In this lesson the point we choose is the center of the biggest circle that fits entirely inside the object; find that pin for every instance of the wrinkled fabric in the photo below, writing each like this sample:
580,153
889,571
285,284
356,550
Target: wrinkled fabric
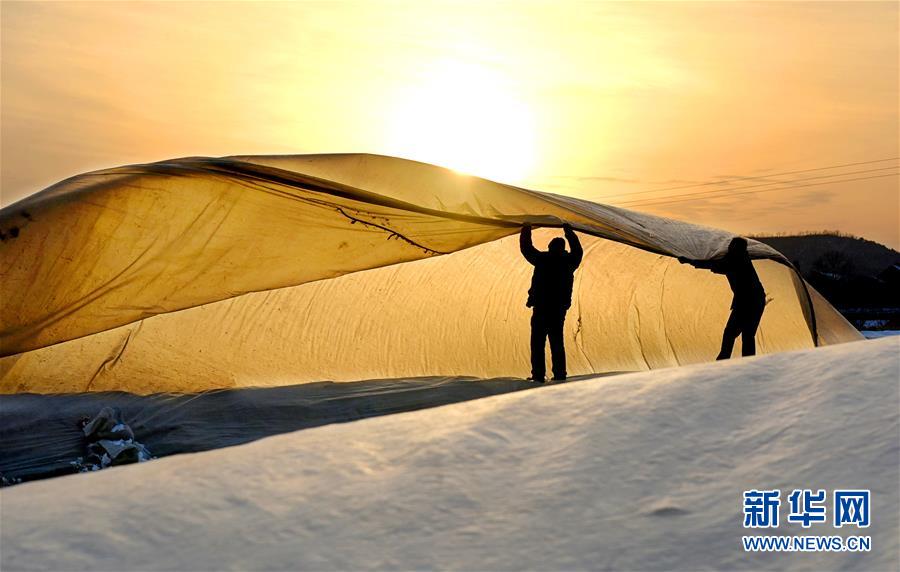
203,273
40,437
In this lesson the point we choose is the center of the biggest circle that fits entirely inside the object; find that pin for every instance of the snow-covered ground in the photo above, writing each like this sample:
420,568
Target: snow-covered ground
641,471
875,334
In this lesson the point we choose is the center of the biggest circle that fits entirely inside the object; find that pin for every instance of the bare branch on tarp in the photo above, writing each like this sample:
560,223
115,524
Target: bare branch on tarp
392,234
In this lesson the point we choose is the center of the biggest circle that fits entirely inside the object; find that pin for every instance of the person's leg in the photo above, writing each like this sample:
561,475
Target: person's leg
557,345
732,329
538,336
750,324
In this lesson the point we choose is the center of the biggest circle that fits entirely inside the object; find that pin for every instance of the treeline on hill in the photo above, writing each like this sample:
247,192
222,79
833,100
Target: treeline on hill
859,277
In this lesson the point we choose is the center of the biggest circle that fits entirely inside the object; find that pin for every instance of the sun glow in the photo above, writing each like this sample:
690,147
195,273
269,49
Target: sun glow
467,118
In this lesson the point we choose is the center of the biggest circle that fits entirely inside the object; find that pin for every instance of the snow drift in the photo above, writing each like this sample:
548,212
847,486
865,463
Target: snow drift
202,273
641,471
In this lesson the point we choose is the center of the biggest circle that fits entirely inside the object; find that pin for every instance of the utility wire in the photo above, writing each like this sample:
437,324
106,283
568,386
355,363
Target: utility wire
764,190
712,192
752,178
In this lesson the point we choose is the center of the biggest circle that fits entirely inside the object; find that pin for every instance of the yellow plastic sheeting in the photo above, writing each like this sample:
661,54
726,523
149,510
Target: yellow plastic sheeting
832,327
461,314
199,273
110,247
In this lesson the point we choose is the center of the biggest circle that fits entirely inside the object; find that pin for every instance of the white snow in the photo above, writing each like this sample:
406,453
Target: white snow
875,334
634,472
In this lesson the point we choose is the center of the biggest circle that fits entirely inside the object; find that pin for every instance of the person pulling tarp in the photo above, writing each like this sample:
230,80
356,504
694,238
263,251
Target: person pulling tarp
549,298
749,296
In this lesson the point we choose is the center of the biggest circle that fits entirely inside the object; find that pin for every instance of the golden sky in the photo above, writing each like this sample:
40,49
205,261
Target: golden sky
596,100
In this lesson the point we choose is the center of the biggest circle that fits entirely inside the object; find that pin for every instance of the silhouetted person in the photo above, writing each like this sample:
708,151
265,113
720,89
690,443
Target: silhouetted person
549,297
749,297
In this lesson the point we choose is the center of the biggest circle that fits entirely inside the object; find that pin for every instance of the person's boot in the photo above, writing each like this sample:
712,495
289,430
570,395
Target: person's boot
537,379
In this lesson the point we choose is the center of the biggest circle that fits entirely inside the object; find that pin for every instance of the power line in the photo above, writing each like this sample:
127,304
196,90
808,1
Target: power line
767,190
731,190
753,178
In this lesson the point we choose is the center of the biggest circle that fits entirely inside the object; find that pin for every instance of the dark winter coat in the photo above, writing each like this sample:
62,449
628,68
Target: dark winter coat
554,273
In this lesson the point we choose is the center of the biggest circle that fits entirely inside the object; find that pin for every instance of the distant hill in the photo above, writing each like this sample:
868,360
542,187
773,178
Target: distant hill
867,258
859,277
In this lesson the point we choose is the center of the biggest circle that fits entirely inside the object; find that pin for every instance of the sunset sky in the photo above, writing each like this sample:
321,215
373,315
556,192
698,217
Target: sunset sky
630,103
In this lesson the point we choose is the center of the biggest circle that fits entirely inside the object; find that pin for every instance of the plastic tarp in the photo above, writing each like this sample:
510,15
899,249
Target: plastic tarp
203,273
41,437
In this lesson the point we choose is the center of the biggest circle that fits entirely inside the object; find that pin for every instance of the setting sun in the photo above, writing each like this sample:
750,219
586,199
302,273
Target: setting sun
465,117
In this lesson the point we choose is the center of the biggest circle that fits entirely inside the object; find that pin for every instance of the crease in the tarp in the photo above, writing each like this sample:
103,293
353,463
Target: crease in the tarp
112,360
484,317
811,323
84,301
662,309
222,218
637,317
579,331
